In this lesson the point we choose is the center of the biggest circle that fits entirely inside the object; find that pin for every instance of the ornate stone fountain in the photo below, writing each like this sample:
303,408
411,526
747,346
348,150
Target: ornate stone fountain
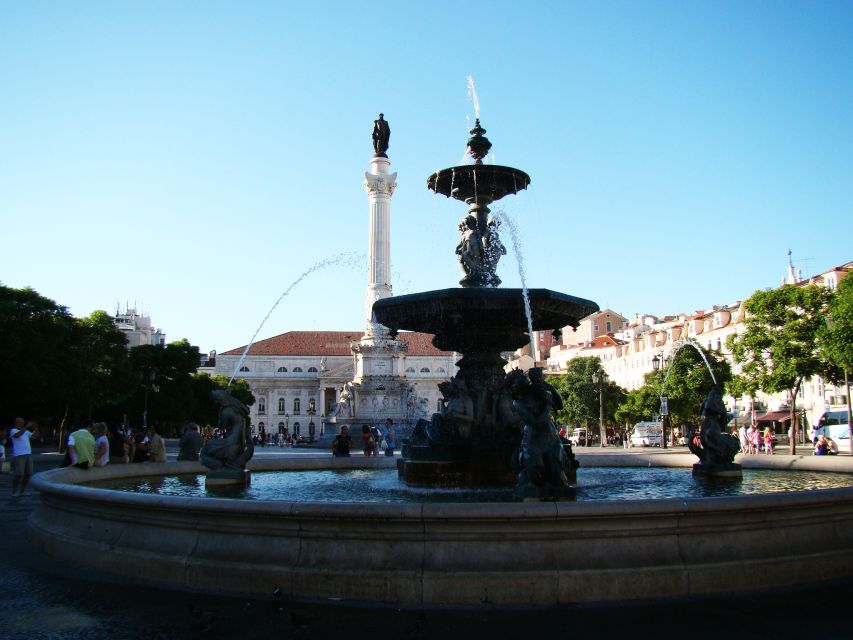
477,437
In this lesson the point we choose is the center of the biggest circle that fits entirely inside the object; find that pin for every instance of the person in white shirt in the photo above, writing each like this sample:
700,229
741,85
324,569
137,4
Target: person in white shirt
22,458
102,445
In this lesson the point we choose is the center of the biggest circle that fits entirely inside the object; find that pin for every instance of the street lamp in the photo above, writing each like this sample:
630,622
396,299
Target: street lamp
600,380
659,363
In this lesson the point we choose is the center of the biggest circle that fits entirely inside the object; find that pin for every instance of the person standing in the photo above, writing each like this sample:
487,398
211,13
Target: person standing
342,443
389,437
768,441
157,446
102,445
22,458
81,445
191,443
743,437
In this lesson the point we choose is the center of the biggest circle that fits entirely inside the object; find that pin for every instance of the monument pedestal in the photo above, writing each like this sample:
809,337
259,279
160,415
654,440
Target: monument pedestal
228,478
731,471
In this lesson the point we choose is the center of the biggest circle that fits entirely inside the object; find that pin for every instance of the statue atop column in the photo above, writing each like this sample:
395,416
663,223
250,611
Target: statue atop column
381,136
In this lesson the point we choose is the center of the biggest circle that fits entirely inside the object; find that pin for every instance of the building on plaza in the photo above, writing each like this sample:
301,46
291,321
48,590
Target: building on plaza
304,377
627,353
138,329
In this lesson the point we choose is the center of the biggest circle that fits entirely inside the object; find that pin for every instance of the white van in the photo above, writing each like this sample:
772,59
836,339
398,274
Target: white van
834,425
578,437
646,434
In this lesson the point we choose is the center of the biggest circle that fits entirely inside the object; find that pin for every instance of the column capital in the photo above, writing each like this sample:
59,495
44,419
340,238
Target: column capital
382,184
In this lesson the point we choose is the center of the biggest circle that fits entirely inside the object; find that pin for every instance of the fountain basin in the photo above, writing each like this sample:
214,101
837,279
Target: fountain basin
463,555
478,182
481,319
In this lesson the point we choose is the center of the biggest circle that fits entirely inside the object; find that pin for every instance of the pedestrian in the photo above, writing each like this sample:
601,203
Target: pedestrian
342,443
102,445
81,445
768,441
156,446
139,446
753,436
118,447
744,439
22,454
190,443
389,437
368,441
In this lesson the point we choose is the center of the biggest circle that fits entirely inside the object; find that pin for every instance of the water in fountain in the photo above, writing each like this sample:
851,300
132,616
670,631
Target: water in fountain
500,214
472,95
349,259
691,343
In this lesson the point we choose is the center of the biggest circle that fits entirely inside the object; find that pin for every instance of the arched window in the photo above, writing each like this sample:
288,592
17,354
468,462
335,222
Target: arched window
282,369
262,406
440,370
410,370
424,369
261,426
297,406
312,369
311,405
282,407
281,427
244,368
296,428
297,369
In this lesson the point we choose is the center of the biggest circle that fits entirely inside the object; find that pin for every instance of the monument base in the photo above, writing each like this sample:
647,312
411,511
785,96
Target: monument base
228,477
730,471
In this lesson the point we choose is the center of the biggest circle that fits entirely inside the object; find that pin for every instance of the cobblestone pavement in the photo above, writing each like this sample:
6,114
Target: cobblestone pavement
42,600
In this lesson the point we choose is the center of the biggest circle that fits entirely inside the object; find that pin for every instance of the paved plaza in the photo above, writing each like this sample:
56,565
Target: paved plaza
42,598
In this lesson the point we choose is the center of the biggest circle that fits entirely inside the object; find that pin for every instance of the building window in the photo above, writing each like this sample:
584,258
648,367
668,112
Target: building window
297,406
609,327
424,369
281,427
282,369
312,369
244,368
410,370
311,405
282,407
262,406
438,406
440,370
297,369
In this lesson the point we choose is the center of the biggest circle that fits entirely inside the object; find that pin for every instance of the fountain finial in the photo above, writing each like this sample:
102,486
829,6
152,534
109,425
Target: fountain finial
478,144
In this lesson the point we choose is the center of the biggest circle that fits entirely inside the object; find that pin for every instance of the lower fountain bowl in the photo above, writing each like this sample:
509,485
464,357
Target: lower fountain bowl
438,554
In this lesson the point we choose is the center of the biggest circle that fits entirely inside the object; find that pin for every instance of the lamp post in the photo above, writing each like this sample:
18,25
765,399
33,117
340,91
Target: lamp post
311,428
658,364
600,380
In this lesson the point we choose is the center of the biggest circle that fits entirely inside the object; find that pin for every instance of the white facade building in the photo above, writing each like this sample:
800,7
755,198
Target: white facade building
138,329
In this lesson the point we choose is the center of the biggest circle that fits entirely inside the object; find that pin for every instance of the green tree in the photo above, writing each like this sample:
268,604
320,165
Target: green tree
779,347
686,381
581,396
837,337
165,375
206,409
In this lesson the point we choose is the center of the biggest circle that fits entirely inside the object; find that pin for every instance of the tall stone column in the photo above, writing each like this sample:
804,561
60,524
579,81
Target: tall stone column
380,186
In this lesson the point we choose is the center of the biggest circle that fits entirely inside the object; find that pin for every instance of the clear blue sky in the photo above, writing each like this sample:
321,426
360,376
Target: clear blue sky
197,157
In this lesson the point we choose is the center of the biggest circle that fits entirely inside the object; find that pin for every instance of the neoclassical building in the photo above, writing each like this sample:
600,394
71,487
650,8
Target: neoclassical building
297,379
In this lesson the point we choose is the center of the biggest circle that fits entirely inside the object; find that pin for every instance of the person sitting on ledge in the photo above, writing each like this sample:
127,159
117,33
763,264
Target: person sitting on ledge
821,448
831,447
368,440
342,443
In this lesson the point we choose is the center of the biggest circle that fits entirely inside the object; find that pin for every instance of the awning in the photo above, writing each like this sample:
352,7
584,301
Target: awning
775,416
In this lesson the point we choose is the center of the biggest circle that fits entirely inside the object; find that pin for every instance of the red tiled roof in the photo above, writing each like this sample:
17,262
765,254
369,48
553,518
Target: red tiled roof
329,343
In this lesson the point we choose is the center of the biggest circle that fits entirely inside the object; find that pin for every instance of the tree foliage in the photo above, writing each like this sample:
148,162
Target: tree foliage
837,334
780,346
581,395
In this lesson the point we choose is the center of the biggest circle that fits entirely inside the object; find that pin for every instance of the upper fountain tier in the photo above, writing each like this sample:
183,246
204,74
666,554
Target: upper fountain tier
478,183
